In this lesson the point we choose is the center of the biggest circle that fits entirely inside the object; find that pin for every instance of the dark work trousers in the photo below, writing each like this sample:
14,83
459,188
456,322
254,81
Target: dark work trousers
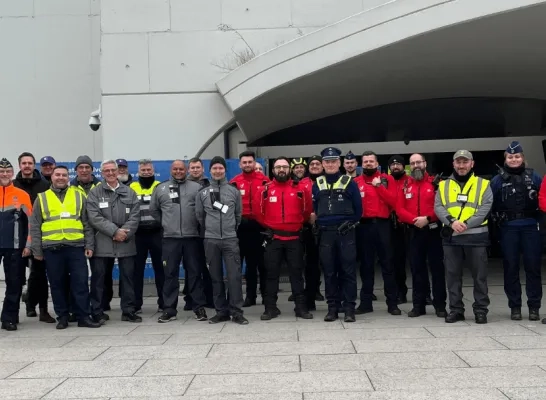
148,242
216,250
68,264
312,268
37,285
426,245
174,251
251,251
277,252
455,258
338,260
205,275
399,240
99,266
514,241
376,240
108,293
12,261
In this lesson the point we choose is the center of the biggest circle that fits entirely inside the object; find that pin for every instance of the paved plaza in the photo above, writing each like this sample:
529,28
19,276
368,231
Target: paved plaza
379,357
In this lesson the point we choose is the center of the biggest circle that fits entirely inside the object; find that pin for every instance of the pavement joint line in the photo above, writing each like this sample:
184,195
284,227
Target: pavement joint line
369,379
502,344
20,369
208,352
463,360
222,328
354,347
426,329
141,365
501,392
49,391
529,329
299,361
102,352
297,335
189,384
70,341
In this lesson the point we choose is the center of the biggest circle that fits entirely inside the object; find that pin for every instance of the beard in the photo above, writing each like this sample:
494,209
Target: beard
123,178
369,171
281,177
418,174
398,174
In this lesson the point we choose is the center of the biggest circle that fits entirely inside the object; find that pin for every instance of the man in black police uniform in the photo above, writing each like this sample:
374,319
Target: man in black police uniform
338,208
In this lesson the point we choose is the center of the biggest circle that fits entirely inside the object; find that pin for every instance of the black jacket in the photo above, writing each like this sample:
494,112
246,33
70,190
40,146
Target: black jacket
33,186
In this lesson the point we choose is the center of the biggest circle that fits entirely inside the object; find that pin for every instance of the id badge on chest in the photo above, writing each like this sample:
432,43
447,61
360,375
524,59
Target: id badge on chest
65,214
462,198
103,204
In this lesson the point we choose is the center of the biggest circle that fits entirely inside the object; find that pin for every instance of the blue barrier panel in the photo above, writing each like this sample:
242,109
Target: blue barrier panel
162,173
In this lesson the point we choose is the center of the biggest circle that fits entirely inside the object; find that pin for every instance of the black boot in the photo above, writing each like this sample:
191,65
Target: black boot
88,323
63,323
302,312
45,317
249,302
534,314
270,313
331,316
515,314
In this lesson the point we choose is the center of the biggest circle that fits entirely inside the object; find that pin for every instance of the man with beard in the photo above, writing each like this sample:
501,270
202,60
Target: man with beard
283,206
515,207
250,240
148,236
298,166
378,194
124,176
173,203
415,208
337,205
31,181
349,164
463,203
47,165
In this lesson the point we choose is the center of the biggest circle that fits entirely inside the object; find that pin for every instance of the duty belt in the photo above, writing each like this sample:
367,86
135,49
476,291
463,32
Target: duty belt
373,220
520,215
285,233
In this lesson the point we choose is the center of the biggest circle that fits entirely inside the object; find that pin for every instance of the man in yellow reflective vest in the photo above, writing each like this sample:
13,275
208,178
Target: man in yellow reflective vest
148,235
463,203
62,237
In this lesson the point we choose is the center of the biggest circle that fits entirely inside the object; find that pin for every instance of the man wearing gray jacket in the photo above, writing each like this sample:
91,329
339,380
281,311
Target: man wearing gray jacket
113,210
463,203
173,203
218,210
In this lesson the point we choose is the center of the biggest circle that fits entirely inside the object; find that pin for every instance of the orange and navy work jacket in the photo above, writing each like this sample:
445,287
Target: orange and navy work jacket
15,210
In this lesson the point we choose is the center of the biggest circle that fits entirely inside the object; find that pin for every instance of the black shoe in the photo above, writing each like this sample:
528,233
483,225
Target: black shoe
201,314
533,314
515,314
138,311
319,296
361,310
395,311
331,316
88,323
415,312
374,297
166,317
130,317
304,313
9,326
291,297
31,313
72,318
428,301
349,316
270,313
239,319
249,301
188,307
441,313
219,318
480,318
45,317
402,299
454,317
63,323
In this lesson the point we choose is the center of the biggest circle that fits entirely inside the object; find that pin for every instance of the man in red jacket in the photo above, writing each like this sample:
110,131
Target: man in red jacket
282,206
250,240
416,208
378,193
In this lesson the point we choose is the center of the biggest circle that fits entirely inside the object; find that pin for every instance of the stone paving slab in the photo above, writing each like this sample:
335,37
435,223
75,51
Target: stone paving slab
481,330
503,358
52,354
243,336
282,348
361,334
527,393
171,328
238,396
9,368
125,340
522,342
79,369
155,352
284,326
23,389
428,344
7,342
462,394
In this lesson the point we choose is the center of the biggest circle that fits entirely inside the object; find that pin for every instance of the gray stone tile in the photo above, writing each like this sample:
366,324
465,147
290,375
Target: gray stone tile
244,336
523,342
480,330
361,334
23,389
537,328
504,358
285,326
126,340
9,368
440,378
464,394
281,348
156,387
396,322
170,328
45,342
155,352
50,354
275,382
427,344
220,365
367,361
79,369
39,330
253,396
525,393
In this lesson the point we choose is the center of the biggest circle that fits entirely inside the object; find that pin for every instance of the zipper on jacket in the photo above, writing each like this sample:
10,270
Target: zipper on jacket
220,198
419,201
282,205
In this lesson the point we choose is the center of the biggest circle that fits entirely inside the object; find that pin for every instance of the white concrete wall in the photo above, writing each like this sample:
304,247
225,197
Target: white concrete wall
161,59
49,77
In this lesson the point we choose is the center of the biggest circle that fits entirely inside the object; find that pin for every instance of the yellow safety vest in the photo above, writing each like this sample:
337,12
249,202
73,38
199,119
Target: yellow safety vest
471,196
82,190
144,197
62,221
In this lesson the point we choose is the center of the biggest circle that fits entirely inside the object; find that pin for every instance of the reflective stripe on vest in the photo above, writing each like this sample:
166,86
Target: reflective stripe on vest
145,217
82,190
62,221
474,188
341,183
333,198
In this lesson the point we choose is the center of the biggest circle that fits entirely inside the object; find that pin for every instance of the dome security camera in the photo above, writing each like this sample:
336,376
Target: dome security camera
94,120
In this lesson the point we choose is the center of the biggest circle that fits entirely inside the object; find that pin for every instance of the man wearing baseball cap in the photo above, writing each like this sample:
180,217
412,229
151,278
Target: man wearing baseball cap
463,203
123,172
47,165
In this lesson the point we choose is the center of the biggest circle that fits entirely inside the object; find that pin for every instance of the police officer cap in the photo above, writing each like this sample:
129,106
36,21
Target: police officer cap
297,161
514,148
4,163
350,156
464,154
396,160
330,153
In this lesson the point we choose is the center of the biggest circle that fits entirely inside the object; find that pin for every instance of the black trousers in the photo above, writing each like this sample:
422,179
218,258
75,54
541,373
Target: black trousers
376,240
68,264
148,243
108,293
426,245
291,252
12,261
37,285
399,239
251,251
312,266
175,250
99,266
205,275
